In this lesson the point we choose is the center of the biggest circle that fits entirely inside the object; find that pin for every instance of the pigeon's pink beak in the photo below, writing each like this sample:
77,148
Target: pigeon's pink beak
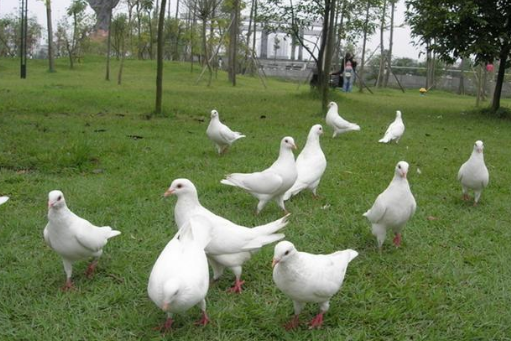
479,150
295,147
50,204
403,175
165,307
274,262
168,192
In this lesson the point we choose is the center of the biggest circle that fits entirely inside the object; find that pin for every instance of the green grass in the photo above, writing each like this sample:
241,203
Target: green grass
71,131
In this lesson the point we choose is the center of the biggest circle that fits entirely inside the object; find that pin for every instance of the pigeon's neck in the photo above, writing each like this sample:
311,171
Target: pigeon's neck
292,266
184,205
399,180
477,156
59,213
285,154
312,141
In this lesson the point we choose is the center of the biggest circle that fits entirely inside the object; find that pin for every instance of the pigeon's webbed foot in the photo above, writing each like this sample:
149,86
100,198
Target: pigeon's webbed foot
89,273
204,320
68,286
397,240
293,324
167,326
237,287
316,322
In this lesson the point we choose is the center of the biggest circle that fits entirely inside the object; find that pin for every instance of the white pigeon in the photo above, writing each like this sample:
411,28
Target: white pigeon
395,130
473,174
221,135
231,245
3,200
392,208
180,277
309,278
273,182
339,124
72,237
310,164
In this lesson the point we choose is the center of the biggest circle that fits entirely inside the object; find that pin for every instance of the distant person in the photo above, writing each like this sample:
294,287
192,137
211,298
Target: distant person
351,74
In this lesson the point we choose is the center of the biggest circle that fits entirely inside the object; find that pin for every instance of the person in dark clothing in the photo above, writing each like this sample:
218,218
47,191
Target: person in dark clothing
350,74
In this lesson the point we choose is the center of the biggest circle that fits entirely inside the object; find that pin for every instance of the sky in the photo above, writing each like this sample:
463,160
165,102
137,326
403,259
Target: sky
403,46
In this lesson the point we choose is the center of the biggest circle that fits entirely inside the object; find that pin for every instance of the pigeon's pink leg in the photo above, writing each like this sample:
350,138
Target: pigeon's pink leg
294,323
68,286
316,322
397,239
204,320
465,197
91,268
166,326
237,287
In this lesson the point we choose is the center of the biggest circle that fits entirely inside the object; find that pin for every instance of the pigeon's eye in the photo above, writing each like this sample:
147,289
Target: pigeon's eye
179,186
60,197
399,166
286,141
286,253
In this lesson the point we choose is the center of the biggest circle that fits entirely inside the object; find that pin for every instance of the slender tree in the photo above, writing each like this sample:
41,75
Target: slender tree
108,47
159,60
51,61
391,42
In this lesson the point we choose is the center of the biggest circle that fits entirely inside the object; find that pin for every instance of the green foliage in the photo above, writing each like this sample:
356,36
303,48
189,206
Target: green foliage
460,28
448,281
10,30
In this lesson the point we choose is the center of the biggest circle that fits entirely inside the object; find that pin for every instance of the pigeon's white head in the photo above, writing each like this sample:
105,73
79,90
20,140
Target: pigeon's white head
56,200
288,142
398,114
402,169
214,114
332,105
170,291
316,129
479,146
181,187
283,251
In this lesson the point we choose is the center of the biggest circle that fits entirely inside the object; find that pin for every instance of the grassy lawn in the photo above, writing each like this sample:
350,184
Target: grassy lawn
92,139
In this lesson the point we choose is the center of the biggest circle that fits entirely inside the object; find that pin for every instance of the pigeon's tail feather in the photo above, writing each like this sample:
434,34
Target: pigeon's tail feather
352,254
235,179
3,200
111,233
261,241
297,188
227,182
355,127
270,228
385,139
238,135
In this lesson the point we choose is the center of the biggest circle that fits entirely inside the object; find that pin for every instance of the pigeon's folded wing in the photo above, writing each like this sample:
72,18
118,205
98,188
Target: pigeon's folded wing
377,211
91,237
265,182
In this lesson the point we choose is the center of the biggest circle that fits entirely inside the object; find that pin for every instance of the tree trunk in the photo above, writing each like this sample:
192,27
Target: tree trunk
233,42
364,42
329,49
151,34
108,46
379,82
121,66
249,34
461,88
504,53
51,60
159,59
479,84
391,42
205,48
